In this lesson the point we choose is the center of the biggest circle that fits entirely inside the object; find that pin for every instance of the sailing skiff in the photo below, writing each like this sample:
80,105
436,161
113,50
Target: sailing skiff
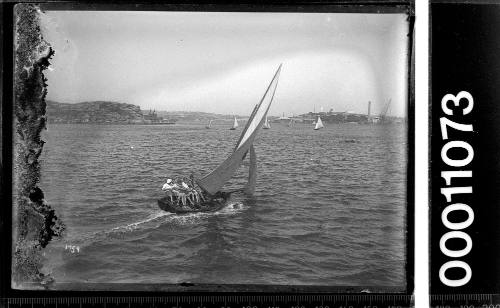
235,124
319,124
211,184
209,125
267,124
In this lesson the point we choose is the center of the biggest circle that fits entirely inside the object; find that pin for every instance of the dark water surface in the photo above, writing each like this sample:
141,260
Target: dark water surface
329,207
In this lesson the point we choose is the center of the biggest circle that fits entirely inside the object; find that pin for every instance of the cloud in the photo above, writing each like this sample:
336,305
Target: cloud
222,62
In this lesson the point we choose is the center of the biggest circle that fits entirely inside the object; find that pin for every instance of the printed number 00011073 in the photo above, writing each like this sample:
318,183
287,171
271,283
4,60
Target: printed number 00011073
448,191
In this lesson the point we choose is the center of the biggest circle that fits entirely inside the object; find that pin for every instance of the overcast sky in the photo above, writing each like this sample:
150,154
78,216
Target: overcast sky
223,62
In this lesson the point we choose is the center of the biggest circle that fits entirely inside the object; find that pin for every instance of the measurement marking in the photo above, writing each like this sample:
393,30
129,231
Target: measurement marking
260,301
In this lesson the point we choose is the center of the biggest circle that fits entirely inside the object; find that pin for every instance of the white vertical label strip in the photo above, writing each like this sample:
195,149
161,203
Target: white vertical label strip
421,153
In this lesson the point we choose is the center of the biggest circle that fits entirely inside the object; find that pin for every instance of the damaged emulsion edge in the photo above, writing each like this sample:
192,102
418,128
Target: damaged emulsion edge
34,221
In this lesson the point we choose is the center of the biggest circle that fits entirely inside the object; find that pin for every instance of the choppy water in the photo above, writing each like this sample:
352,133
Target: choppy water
329,207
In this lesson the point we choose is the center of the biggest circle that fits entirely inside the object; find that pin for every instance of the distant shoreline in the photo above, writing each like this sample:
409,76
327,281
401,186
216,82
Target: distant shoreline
177,124
109,113
137,124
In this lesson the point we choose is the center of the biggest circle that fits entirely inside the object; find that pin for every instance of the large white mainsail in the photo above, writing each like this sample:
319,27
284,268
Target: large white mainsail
214,181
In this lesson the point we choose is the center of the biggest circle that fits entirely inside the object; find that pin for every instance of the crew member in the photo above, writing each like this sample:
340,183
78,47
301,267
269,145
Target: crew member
168,188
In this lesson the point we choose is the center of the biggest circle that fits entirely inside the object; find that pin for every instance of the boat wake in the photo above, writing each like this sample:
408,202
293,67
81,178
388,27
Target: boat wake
158,218
157,215
154,220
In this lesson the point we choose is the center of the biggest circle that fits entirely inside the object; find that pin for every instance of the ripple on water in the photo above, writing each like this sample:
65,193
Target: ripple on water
329,207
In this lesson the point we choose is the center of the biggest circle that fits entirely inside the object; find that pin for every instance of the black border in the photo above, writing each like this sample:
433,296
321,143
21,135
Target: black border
353,6
6,65
469,62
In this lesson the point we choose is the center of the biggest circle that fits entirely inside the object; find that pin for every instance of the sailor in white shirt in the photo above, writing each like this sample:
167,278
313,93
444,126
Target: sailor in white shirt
169,188
183,193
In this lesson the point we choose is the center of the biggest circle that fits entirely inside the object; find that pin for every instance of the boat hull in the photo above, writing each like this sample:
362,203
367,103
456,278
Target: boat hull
212,205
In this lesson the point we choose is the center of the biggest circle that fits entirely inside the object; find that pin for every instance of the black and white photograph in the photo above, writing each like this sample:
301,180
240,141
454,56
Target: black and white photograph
216,150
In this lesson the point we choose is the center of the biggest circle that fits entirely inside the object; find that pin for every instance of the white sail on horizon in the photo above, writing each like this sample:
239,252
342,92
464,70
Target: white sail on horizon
319,124
266,125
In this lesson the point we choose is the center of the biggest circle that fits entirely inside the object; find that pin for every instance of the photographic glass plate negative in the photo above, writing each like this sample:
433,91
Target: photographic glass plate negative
213,149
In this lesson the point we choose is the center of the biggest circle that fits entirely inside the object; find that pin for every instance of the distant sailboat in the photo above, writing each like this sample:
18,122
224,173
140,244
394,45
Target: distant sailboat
209,125
266,125
290,123
235,124
319,124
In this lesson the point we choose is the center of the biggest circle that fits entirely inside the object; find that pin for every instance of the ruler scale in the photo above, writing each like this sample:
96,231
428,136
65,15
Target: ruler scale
221,301
465,300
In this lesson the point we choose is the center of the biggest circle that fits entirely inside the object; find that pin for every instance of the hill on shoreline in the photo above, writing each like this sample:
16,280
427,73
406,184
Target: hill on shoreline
106,112
93,112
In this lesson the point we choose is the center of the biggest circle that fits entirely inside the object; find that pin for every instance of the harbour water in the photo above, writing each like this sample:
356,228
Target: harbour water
329,207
